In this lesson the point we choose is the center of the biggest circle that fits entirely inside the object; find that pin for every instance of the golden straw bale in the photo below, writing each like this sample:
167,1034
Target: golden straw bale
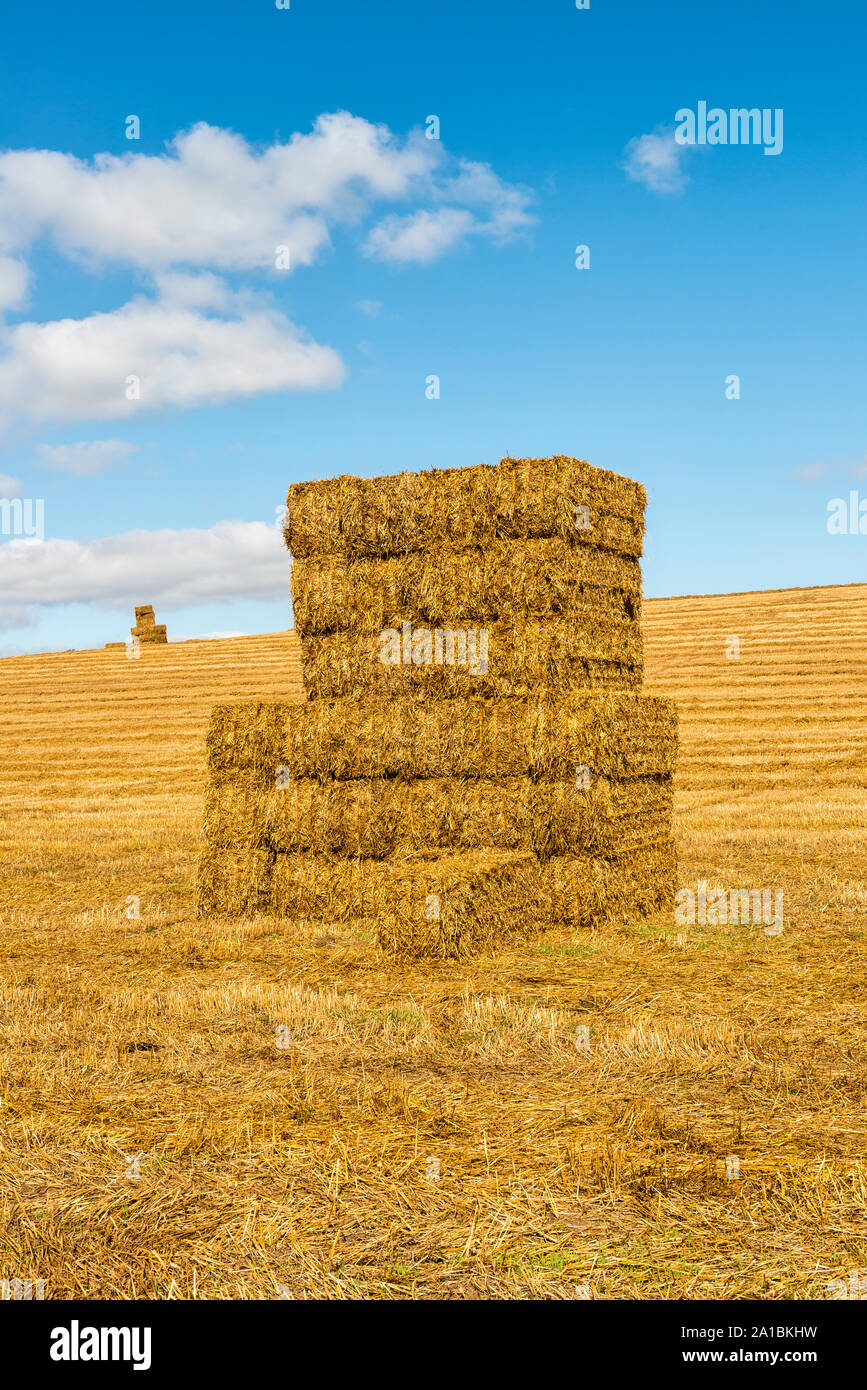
614,734
458,905
453,900
534,578
462,507
248,736
374,818
633,884
236,810
516,657
234,882
450,905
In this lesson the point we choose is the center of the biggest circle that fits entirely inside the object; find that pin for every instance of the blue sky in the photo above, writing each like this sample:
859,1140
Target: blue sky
411,257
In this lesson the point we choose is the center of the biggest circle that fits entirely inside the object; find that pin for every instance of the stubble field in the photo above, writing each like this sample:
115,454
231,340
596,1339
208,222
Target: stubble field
436,1131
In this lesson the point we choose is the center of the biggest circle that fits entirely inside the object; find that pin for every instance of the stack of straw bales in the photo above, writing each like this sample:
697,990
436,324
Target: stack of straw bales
475,758
147,629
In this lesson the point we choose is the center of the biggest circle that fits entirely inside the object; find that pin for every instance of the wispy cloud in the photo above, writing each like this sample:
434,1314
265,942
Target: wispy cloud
422,237
479,204
811,472
84,459
17,615
14,282
656,160
10,487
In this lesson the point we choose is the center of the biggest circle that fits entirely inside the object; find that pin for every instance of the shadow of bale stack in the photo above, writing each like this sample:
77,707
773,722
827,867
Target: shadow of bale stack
475,758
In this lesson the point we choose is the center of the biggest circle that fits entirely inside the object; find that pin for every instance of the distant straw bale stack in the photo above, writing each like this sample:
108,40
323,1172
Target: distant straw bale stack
475,759
146,629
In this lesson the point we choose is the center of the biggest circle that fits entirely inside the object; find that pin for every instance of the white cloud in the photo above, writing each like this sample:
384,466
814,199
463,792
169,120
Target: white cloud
85,458
170,569
422,236
9,486
14,282
812,472
213,202
195,291
501,212
656,160
77,369
506,206
371,307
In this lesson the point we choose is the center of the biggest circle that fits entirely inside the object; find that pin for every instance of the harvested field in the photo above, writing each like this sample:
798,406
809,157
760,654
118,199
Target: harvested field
668,1110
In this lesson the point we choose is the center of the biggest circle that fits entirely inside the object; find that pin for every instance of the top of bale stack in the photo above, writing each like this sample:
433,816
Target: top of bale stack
455,508
144,614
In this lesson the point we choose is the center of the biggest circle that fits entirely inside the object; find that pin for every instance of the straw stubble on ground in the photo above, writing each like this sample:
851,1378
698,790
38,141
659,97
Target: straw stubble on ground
308,1116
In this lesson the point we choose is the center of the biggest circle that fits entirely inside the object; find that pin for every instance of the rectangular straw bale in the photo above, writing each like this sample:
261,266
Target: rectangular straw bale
633,884
333,889
613,734
236,811
247,736
449,908
455,905
461,507
376,818
515,657
234,882
438,905
446,906
534,578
